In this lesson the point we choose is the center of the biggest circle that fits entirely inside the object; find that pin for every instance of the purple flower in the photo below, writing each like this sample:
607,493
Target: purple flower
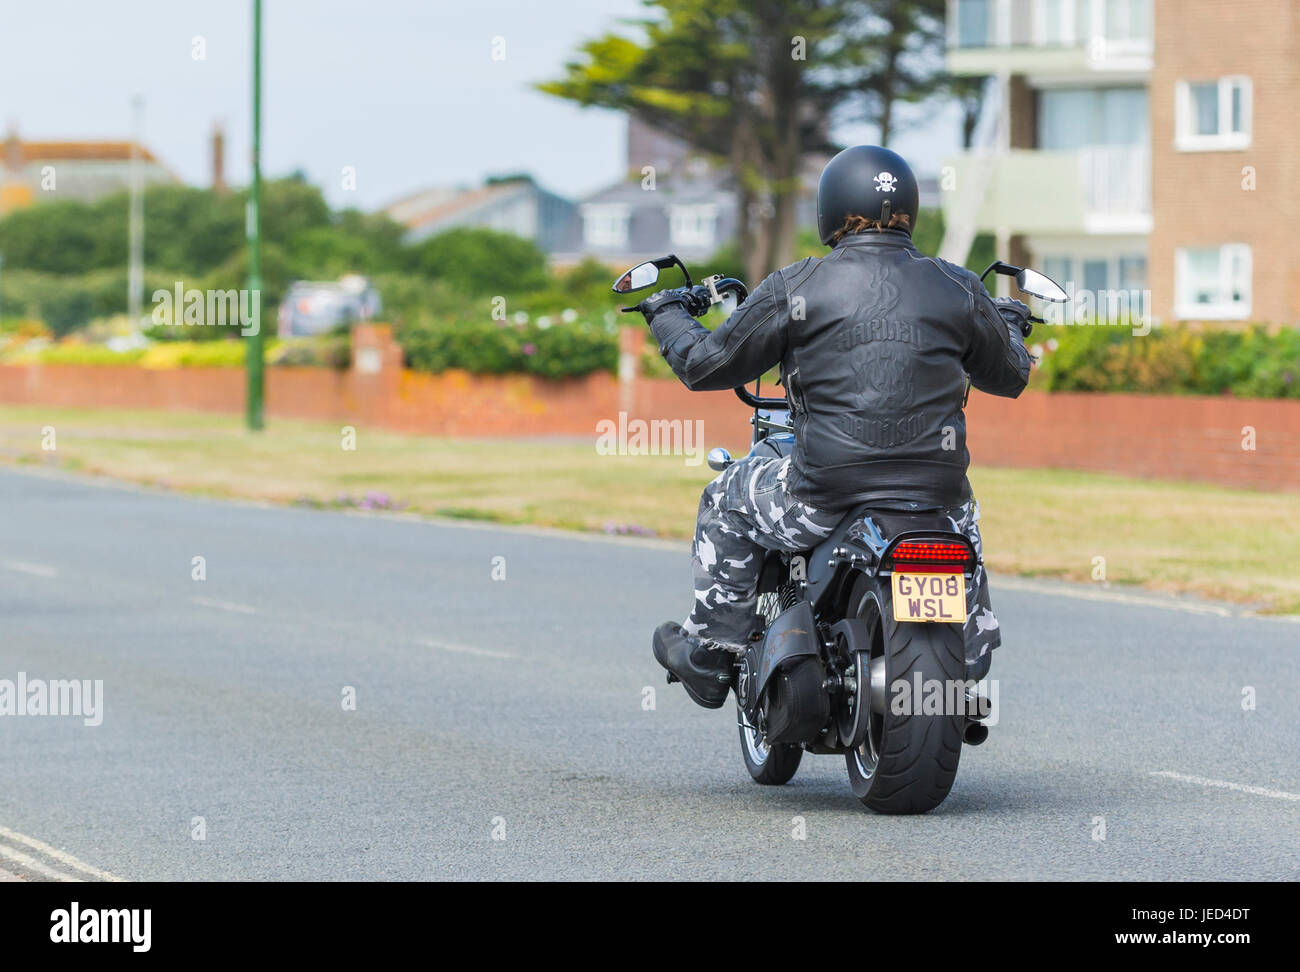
529,349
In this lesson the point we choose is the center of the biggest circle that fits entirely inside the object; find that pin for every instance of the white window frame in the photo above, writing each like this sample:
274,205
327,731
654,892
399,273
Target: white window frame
1186,139
1229,253
693,226
605,224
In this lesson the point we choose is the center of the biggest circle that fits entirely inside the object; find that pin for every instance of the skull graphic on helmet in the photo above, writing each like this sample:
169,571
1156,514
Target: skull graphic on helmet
885,182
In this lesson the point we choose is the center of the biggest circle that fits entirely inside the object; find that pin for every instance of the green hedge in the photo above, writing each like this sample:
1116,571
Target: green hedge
560,350
1251,363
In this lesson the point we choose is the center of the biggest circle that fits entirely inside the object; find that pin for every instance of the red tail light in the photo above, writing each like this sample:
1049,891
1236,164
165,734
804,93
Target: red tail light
933,556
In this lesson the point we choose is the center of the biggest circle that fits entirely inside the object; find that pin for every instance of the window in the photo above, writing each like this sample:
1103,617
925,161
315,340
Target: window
1060,269
974,23
693,226
1054,24
1070,118
1095,274
1118,26
1213,283
1132,273
1108,286
1213,115
604,224
1127,20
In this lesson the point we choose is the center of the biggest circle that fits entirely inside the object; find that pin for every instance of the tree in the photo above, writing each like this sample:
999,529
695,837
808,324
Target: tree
728,77
969,93
755,83
899,55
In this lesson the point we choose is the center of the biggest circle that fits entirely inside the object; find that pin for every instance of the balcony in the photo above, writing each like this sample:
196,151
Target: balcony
1049,37
1095,190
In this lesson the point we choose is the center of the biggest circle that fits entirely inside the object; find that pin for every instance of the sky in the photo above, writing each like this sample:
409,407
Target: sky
405,93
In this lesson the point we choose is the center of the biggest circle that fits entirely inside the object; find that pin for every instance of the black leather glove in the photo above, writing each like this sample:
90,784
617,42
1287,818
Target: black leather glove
659,300
1014,312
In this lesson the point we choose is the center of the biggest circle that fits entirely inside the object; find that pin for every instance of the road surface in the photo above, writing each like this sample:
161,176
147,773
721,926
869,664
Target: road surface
503,727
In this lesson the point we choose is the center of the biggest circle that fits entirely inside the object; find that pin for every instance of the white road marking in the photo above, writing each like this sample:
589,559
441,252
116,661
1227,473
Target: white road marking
62,857
1081,593
224,605
465,649
1225,785
36,570
32,864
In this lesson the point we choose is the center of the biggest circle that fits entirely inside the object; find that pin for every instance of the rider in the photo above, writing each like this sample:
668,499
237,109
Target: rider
874,341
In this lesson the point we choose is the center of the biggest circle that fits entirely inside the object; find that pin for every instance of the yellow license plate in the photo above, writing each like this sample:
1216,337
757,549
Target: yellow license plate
940,598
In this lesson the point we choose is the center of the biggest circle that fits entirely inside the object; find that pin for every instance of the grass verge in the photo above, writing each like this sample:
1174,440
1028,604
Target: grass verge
1228,544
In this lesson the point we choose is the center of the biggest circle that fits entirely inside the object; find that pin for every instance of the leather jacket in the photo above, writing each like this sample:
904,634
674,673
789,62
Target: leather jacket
874,341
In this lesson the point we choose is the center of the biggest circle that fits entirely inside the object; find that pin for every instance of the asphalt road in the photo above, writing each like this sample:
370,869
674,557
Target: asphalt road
501,728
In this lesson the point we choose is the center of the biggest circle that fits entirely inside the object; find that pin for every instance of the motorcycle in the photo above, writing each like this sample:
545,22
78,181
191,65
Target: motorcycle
854,634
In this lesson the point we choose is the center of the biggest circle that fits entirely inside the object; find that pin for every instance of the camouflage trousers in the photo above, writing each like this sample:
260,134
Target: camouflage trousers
745,512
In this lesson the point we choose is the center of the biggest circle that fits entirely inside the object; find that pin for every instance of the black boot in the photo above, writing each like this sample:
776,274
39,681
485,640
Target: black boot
705,672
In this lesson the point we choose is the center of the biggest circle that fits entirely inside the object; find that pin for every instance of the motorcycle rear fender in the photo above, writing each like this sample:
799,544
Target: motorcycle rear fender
792,635
862,539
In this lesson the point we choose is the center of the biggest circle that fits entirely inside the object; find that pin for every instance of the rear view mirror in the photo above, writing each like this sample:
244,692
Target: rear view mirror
1031,282
1041,285
640,277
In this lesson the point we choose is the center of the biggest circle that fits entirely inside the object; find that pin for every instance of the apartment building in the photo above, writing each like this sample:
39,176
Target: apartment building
1137,145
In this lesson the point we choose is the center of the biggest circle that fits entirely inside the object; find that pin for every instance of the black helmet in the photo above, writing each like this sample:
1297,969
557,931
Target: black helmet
865,180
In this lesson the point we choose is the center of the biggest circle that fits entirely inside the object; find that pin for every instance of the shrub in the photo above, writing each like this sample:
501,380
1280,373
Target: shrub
561,350
1170,360
199,354
325,351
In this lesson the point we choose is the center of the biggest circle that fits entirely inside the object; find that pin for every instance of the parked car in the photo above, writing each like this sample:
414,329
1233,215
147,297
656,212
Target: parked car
316,307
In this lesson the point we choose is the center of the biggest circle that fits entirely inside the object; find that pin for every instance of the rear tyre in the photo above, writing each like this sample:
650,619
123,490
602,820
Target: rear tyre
768,765
908,762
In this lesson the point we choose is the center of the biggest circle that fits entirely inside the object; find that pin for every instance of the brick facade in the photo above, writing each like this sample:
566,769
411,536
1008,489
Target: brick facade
1198,198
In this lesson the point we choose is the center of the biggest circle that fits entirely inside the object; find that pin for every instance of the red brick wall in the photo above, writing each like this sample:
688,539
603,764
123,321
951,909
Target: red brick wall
1148,436
1174,437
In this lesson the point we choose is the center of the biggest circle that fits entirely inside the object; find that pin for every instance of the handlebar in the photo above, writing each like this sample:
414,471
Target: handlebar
753,401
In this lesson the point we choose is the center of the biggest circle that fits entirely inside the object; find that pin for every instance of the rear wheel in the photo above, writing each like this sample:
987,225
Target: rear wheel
908,762
769,765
